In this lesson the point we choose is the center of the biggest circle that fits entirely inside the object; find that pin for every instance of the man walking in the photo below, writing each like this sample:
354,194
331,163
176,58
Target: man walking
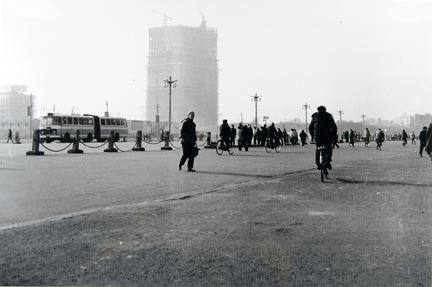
233,135
423,139
303,137
10,136
188,141
380,139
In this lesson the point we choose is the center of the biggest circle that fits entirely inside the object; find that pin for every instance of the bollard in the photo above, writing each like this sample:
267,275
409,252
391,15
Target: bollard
209,143
167,139
138,142
35,144
111,143
75,145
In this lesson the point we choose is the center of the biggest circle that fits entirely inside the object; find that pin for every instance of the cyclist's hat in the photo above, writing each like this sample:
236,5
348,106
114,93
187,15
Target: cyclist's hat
321,109
224,121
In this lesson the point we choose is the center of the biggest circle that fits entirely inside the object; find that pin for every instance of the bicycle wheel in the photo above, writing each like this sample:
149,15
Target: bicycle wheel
267,148
278,148
230,150
219,149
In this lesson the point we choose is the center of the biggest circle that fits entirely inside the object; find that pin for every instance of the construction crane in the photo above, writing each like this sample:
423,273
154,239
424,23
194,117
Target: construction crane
166,17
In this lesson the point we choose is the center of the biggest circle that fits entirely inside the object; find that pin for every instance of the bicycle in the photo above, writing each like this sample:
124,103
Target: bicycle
221,147
270,145
323,162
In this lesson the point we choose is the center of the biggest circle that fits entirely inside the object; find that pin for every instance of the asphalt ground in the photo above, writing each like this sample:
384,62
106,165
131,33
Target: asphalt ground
250,219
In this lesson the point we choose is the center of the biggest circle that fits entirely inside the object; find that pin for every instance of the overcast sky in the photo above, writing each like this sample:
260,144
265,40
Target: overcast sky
366,56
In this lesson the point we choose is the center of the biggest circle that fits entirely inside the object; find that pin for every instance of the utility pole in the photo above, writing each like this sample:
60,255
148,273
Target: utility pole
256,98
379,122
54,109
106,112
363,117
30,114
306,107
340,120
169,83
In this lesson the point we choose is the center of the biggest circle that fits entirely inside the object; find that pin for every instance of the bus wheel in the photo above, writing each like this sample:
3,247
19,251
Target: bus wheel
89,137
116,137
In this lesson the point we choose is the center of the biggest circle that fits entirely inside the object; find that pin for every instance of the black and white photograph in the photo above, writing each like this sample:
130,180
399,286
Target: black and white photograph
216,143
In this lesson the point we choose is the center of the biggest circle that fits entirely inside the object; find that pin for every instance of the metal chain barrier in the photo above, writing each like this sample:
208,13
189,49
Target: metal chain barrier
93,146
152,142
124,150
176,147
52,150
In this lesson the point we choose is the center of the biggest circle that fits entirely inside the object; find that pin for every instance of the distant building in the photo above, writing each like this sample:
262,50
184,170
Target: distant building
418,121
188,55
15,111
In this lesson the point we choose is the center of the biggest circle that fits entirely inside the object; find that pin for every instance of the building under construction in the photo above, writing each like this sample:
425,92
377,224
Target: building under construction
188,55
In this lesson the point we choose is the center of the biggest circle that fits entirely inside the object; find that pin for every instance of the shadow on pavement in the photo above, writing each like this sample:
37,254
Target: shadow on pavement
235,174
378,182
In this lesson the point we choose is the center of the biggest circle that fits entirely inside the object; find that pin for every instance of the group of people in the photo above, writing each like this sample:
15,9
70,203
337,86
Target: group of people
258,135
322,129
17,137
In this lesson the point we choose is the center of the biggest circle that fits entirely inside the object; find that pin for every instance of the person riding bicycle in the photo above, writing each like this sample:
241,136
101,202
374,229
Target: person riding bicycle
323,131
272,134
225,133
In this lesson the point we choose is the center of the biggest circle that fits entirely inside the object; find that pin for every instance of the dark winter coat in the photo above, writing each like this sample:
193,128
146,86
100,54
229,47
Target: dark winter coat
188,132
423,136
323,128
225,131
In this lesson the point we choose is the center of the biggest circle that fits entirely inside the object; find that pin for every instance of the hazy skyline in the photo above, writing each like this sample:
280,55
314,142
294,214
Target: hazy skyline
371,57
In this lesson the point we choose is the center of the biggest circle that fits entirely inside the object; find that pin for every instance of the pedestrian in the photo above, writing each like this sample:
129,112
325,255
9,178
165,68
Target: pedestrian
280,136
303,137
240,135
188,141
233,135
413,138
428,147
351,138
255,135
224,133
380,139
249,135
264,134
423,140
10,136
367,137
404,138
17,138
346,135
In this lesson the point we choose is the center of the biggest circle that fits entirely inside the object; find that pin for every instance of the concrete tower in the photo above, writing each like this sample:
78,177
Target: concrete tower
188,55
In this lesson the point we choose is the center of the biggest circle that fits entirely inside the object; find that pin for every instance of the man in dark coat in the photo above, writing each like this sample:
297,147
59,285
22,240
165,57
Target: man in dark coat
225,133
272,134
323,130
423,139
264,134
303,137
188,141
404,138
233,135
352,137
380,139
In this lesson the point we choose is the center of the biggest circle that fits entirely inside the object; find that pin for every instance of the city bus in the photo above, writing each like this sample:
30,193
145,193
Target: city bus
63,127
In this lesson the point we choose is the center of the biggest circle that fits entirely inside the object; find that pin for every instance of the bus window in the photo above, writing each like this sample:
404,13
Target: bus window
56,120
69,120
123,122
118,122
103,122
64,121
75,121
108,121
81,121
85,121
90,121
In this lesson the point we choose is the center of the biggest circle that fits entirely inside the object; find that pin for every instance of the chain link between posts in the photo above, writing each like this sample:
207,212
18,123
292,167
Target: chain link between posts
89,146
116,146
152,142
52,150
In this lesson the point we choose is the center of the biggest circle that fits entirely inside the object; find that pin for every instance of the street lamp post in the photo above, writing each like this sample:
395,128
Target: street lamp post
363,117
340,121
306,107
256,98
169,83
